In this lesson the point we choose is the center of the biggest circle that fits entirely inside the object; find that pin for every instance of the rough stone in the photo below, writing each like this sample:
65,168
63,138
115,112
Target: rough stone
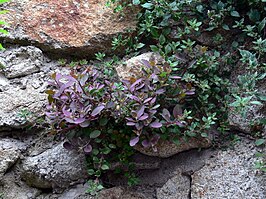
10,151
21,61
254,112
176,187
76,27
230,174
55,168
119,193
16,101
13,189
167,148
141,162
22,85
132,67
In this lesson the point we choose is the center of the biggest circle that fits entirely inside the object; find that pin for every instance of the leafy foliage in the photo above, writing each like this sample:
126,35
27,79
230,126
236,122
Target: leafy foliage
183,97
3,23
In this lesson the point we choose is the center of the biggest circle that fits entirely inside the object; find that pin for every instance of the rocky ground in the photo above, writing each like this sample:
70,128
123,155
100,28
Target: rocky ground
35,166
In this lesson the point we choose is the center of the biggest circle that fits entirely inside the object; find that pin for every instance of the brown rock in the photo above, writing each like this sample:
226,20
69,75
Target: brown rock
119,193
167,148
133,66
75,26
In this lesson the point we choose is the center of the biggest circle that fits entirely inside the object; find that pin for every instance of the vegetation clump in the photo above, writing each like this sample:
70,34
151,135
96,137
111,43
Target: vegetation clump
181,98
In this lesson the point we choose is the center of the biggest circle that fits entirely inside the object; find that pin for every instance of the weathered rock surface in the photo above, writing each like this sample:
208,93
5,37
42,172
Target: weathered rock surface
141,162
21,61
176,187
76,27
254,113
23,82
119,192
9,154
166,148
11,188
19,106
132,67
230,174
54,168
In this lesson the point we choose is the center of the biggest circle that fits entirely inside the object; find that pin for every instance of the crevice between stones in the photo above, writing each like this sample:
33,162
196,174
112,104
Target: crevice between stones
189,174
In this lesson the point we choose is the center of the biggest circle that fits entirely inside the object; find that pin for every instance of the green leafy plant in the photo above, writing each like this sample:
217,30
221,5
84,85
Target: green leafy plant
181,98
3,23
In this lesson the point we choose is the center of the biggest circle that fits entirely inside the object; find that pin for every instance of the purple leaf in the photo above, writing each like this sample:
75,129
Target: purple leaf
58,76
153,100
79,120
190,92
153,111
134,98
97,110
166,115
130,119
146,63
75,121
175,77
64,97
160,91
141,86
131,124
132,87
139,126
110,105
177,111
65,112
156,125
155,139
144,117
145,143
156,106
67,146
147,100
180,124
134,141
87,149
140,111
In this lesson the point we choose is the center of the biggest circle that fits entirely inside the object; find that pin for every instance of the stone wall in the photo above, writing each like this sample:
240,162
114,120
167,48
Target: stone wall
35,166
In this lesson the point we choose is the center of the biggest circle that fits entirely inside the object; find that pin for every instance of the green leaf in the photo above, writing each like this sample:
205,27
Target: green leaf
154,32
226,27
106,150
259,142
176,141
154,48
90,172
162,39
205,135
140,45
167,48
254,15
112,146
234,13
3,1
136,2
199,8
147,5
262,97
105,167
95,134
103,121
256,103
95,151
262,24
3,31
